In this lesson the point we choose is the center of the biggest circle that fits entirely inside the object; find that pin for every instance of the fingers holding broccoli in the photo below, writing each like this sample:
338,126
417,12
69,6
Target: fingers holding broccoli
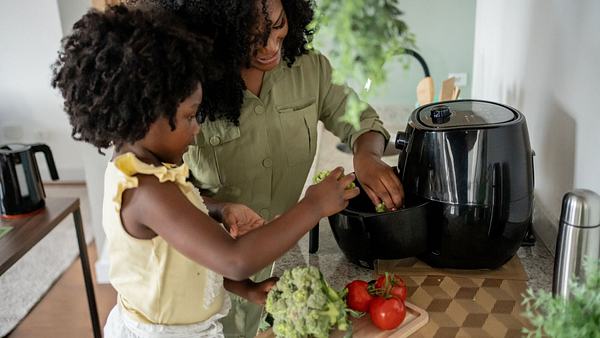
321,175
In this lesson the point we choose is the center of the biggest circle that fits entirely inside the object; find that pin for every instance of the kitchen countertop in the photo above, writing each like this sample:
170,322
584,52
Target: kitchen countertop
338,271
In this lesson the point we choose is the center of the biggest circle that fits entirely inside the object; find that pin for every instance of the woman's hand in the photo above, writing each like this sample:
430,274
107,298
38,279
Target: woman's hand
257,292
378,179
240,219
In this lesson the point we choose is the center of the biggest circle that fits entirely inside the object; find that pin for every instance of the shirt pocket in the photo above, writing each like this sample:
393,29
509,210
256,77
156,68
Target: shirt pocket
299,125
205,154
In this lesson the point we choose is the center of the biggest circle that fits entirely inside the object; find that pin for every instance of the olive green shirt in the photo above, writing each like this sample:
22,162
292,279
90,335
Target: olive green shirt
264,162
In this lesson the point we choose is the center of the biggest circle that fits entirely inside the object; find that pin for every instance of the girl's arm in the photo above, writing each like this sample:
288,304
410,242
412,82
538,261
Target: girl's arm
162,209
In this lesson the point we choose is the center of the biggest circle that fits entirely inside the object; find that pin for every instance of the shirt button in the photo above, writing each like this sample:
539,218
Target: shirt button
267,163
215,140
259,110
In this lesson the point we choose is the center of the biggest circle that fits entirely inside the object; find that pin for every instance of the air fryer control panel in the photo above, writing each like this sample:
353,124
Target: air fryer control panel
465,114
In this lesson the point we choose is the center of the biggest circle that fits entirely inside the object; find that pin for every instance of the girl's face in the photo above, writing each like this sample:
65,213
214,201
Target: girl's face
170,145
267,57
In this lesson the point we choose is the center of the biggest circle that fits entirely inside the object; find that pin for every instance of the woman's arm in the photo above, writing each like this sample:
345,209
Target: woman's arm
163,209
377,178
368,141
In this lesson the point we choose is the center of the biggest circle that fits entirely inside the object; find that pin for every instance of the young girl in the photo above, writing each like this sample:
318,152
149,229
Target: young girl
132,79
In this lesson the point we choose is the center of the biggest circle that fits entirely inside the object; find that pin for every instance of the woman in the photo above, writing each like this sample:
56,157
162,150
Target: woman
259,141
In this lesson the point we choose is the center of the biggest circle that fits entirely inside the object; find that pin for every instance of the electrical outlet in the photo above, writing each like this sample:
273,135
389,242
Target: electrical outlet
460,79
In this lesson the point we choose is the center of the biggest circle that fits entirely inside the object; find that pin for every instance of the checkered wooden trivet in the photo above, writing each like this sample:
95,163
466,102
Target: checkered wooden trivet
513,269
468,307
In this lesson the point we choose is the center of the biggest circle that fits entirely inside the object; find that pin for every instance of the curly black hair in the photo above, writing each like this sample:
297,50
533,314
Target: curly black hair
233,26
122,69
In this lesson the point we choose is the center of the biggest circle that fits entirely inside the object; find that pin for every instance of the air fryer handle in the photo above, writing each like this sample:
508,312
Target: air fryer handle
499,184
42,148
401,140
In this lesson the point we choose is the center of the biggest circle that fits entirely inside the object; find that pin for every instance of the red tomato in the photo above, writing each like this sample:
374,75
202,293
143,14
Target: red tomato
388,313
380,283
398,292
358,297
395,286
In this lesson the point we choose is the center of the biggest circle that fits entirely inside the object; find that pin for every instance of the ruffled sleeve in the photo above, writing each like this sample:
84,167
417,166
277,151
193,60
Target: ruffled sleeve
129,166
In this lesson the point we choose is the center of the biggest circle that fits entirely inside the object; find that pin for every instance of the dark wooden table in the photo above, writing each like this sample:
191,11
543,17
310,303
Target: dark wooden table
30,230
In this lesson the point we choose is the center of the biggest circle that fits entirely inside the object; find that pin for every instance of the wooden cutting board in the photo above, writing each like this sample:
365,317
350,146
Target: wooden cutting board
362,327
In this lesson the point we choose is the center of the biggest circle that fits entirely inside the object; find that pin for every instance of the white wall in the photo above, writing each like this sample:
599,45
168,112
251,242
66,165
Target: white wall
29,110
71,11
91,162
444,32
543,58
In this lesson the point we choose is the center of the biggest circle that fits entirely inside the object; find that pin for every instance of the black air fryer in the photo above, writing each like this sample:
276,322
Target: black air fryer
473,160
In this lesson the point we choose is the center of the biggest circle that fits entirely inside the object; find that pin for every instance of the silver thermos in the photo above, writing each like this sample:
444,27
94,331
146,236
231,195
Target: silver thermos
578,238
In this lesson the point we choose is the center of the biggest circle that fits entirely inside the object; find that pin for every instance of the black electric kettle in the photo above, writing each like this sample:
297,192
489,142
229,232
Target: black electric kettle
21,190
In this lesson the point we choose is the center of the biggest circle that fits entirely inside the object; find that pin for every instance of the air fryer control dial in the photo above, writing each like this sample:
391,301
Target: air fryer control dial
440,114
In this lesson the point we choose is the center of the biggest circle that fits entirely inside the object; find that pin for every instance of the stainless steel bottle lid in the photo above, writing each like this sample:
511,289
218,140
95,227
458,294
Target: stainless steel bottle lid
581,208
13,148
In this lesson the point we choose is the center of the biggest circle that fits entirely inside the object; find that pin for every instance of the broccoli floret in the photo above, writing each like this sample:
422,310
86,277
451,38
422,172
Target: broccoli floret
302,304
321,176
324,173
380,208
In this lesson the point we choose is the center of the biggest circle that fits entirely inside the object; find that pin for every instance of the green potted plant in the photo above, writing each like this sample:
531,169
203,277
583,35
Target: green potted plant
364,35
579,316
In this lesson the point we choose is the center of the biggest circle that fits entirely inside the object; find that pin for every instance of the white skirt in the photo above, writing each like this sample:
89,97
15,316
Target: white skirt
119,325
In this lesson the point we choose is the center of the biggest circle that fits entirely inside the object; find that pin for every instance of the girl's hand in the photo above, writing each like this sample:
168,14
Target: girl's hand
379,181
240,219
257,292
331,196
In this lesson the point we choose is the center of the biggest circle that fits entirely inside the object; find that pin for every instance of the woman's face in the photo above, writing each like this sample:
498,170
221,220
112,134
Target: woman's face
267,57
170,145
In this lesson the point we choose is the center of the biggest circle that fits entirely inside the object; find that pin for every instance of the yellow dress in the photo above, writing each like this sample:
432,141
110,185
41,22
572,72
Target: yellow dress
155,283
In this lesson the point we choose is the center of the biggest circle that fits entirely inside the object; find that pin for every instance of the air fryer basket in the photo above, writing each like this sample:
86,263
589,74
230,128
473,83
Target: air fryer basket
364,235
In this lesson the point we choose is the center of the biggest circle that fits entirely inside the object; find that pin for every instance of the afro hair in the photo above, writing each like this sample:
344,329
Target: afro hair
122,69
232,25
